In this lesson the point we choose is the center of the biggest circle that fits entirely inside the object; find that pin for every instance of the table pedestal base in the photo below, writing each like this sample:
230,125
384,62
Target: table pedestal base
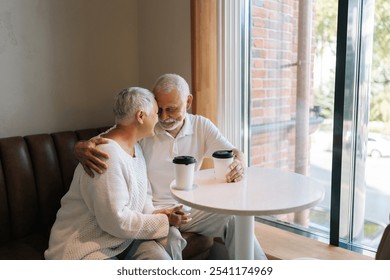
244,239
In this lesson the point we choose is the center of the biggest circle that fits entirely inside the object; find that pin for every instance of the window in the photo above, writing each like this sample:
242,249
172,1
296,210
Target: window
288,115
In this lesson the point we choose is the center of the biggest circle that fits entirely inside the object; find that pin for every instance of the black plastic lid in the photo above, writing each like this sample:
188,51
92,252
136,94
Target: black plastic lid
184,160
223,154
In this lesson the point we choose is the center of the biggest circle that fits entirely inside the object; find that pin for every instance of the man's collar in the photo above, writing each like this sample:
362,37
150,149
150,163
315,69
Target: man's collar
187,128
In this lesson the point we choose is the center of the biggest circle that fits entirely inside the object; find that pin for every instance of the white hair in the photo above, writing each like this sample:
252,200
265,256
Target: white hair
130,100
168,82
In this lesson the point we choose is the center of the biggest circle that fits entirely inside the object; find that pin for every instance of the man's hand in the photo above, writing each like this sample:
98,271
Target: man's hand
176,216
237,167
90,157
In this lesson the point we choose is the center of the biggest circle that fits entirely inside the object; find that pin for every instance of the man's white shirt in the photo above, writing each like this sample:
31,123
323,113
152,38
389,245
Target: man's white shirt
199,138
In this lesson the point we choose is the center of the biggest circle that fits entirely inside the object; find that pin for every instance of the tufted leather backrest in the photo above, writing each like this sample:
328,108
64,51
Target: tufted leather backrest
35,172
47,175
19,186
4,213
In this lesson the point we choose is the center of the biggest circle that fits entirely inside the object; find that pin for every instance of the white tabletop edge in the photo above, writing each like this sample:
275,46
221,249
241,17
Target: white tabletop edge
246,212
179,194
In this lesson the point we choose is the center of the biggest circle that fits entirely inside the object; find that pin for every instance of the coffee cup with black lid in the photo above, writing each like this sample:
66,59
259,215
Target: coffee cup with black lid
222,160
184,172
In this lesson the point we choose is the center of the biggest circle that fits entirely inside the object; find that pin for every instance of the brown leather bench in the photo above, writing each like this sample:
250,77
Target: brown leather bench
35,172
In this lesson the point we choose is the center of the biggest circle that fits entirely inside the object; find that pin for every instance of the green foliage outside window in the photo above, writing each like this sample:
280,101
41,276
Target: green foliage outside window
325,43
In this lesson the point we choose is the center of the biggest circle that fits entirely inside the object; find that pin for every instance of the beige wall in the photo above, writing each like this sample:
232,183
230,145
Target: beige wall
164,39
61,61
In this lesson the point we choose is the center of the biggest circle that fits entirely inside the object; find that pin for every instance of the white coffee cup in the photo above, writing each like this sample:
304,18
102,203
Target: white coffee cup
184,172
222,160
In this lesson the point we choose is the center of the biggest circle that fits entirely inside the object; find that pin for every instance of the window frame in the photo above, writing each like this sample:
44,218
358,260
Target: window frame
234,26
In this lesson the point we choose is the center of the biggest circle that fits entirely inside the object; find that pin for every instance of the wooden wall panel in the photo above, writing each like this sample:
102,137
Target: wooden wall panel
204,61
204,58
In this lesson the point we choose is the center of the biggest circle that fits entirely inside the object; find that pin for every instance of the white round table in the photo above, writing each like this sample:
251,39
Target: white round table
263,191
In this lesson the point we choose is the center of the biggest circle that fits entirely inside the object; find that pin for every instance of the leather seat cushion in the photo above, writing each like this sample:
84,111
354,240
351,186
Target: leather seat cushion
198,246
29,248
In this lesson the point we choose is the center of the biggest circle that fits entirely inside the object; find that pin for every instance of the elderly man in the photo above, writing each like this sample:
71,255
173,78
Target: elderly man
179,133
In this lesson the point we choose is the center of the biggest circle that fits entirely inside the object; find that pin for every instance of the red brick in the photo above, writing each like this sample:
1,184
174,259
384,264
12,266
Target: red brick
258,43
258,93
258,32
259,73
256,83
257,63
259,12
258,22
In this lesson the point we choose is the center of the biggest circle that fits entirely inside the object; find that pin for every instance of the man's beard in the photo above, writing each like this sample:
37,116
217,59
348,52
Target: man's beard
170,124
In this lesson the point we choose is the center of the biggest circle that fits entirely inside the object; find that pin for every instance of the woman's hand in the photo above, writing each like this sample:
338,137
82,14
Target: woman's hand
176,216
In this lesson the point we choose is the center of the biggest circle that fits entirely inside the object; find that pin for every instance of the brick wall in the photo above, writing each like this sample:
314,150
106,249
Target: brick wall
273,82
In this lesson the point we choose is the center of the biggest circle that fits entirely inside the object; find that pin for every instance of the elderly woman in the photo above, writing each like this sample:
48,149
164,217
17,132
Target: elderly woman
111,216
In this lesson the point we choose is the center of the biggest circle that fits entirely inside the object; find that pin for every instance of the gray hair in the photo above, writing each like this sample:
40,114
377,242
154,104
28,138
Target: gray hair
130,100
168,82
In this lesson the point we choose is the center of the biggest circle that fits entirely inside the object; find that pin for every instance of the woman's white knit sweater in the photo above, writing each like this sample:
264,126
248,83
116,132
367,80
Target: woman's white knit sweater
99,217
